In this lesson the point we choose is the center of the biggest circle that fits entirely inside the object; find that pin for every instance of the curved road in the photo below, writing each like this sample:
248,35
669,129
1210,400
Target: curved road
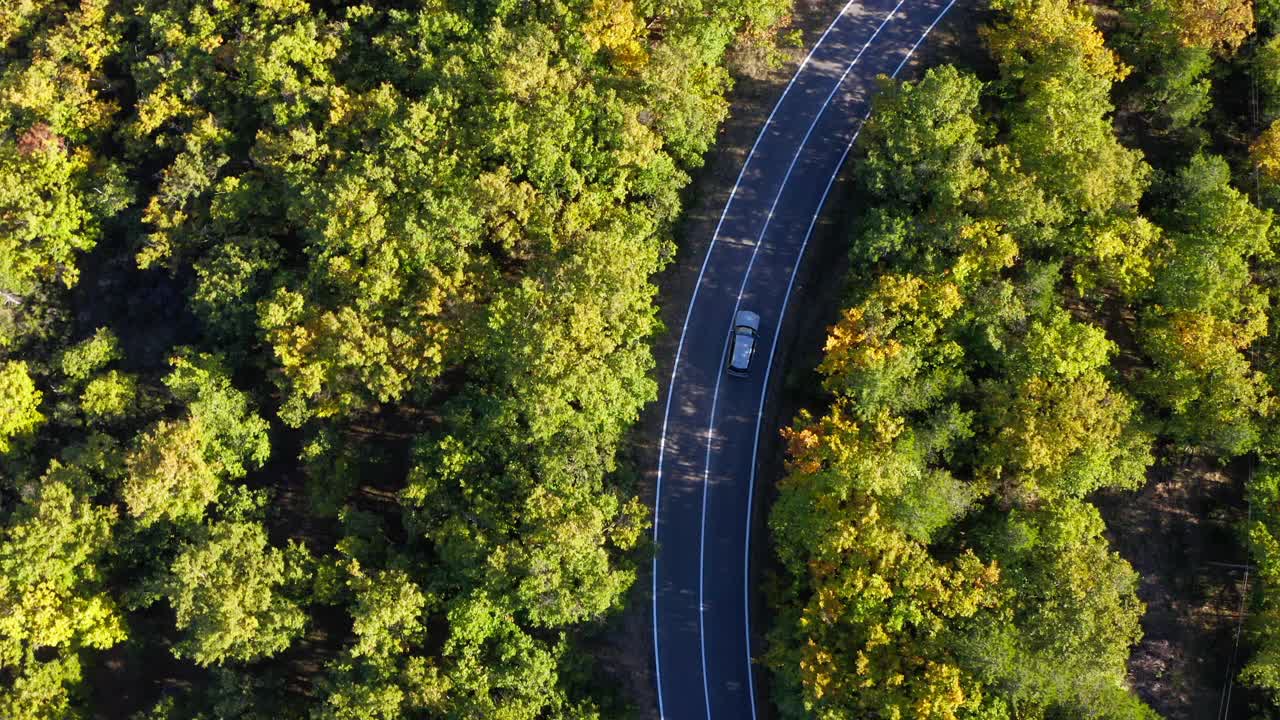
711,427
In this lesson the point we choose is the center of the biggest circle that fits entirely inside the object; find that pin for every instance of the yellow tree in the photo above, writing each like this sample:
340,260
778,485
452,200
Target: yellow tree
865,631
1265,152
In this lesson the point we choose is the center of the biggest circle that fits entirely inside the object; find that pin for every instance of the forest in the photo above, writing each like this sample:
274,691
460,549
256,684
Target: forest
320,325
1064,276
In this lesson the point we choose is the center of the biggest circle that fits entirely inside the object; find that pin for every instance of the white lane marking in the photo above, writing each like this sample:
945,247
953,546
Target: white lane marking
746,554
657,662
737,303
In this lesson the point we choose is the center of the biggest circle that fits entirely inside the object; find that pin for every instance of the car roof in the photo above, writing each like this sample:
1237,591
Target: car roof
747,318
741,357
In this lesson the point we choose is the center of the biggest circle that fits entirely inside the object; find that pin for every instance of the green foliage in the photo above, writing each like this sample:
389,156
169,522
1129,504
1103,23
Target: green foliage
873,637
177,466
411,244
1266,71
496,669
388,610
55,191
168,476
19,403
1207,312
41,691
53,597
1070,615
224,587
47,215
939,558
1050,53
81,360
1060,429
1180,93
1215,232
1262,671
234,438
1173,59
925,140
111,395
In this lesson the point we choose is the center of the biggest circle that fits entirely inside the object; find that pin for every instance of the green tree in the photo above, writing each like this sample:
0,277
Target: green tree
54,600
177,466
388,614
402,230
81,360
19,401
1059,640
225,588
925,141
1058,428
494,668
55,190
1050,52
890,351
110,395
1208,310
866,630
234,436
168,476
1262,670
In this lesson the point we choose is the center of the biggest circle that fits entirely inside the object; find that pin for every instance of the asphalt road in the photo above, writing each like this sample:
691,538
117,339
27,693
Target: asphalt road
707,462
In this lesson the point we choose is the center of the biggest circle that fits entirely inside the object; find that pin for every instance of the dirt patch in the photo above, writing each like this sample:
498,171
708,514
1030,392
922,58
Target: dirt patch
1180,533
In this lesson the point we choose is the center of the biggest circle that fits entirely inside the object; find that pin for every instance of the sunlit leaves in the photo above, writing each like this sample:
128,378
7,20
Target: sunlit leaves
19,403
79,361
940,559
225,590
177,466
52,201
191,175
235,438
872,636
887,351
168,476
1050,51
53,598
1265,152
1072,615
1215,24
387,612
1209,311
60,79
1059,428
111,395
924,140
1262,671
434,226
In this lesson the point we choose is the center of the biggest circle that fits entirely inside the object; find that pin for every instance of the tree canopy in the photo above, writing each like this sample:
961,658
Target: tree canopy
941,556
321,325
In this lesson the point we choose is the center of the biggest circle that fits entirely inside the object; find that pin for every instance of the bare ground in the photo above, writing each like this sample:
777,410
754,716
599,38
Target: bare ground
1179,533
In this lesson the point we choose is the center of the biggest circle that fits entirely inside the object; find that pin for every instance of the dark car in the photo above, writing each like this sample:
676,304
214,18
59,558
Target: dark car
742,343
